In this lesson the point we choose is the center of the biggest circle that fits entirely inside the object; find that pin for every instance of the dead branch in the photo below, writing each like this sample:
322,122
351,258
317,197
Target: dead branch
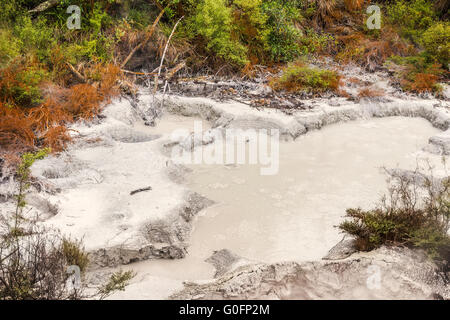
44,6
78,75
138,73
140,190
148,35
164,54
174,70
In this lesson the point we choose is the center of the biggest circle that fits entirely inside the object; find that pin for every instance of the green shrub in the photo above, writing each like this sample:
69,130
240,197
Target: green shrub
117,282
433,239
139,18
74,254
400,220
282,35
98,20
436,41
376,227
413,17
251,27
213,21
11,9
35,36
313,42
9,47
298,77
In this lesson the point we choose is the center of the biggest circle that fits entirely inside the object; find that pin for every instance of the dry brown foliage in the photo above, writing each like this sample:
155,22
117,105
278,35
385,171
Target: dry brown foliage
56,138
16,130
370,92
27,128
371,53
423,82
355,4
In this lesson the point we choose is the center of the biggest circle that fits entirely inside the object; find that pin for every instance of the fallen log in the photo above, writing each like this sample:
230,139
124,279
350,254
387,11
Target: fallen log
44,6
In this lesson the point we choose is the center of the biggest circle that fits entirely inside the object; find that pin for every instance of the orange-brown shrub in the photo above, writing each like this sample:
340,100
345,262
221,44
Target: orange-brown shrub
299,77
108,84
24,128
56,138
368,92
417,75
20,81
16,130
368,52
355,4
83,101
423,82
48,114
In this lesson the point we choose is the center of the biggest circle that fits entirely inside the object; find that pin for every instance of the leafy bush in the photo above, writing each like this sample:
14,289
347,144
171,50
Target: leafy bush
436,41
117,282
300,77
139,15
413,17
282,35
11,9
415,213
313,42
251,21
74,254
9,47
35,36
213,21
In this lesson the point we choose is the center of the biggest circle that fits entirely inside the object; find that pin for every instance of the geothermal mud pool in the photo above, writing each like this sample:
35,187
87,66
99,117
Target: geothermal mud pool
291,216
166,233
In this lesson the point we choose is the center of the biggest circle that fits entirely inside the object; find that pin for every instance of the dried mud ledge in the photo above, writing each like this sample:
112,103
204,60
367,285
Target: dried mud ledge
165,234
385,273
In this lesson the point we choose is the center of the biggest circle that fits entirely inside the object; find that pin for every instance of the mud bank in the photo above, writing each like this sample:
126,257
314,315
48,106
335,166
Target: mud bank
386,273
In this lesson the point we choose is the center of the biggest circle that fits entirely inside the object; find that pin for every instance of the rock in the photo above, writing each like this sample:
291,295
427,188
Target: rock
344,249
121,255
441,142
193,205
127,135
223,261
446,91
262,90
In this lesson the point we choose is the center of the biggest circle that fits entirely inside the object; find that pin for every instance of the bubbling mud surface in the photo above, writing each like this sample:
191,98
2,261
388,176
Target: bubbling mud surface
291,216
